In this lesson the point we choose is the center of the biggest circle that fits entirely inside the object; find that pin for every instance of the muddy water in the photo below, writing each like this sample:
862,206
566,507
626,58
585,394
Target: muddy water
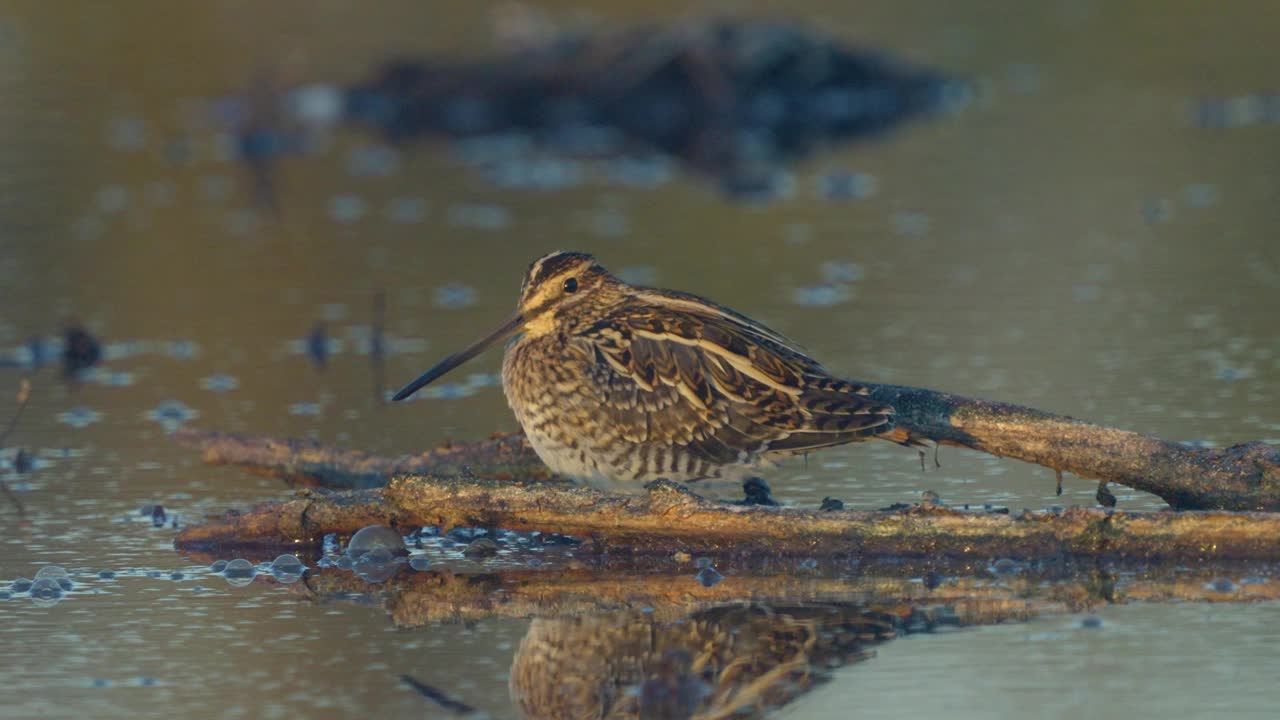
1075,239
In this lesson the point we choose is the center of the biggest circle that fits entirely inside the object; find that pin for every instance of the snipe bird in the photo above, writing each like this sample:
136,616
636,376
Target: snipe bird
617,385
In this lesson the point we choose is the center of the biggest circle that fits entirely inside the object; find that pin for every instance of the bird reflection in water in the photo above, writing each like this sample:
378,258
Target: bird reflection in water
724,662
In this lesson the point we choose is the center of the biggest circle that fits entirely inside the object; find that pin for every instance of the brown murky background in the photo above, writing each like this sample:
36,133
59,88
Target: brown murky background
1072,239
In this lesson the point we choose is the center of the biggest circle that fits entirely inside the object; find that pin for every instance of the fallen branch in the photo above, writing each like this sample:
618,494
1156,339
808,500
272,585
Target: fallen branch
669,518
306,462
1241,477
475,485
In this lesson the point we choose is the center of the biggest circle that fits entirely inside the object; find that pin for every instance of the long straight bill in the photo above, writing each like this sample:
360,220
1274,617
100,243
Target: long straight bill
510,327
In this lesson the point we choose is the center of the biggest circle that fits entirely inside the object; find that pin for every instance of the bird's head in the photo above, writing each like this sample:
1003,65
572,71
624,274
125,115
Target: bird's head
555,285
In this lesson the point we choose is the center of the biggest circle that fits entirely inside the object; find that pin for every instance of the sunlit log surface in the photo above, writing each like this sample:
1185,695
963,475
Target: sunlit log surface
504,456
669,519
488,485
1241,477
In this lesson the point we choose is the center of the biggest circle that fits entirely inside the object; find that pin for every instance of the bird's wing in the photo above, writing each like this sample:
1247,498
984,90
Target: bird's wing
720,384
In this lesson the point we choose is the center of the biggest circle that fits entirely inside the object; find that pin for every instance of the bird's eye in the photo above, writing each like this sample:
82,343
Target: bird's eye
571,285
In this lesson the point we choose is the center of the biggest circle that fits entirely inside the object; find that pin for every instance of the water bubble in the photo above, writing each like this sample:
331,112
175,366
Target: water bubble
448,391
239,568
52,572
534,174
419,562
47,590
346,208
480,548
482,217
375,565
79,417
455,295
127,133
176,576
709,577
1157,210
1024,78
559,539
462,534
638,274
847,185
287,566
407,210
287,569
1201,195
310,409
20,585
317,103
182,349
374,537
1221,585
373,161
218,566
1086,293
376,556
702,562
841,271
329,545
159,192
219,383
823,295
1004,566
641,172
171,414
113,198
106,575
913,224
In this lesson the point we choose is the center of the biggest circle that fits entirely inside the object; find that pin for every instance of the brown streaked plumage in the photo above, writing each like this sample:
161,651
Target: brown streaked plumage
618,385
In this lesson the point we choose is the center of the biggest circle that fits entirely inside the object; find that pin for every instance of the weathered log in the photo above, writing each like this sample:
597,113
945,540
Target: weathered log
504,456
669,518
490,485
1241,477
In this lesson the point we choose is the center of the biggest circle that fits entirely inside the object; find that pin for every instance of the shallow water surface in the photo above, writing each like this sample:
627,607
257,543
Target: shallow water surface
1091,234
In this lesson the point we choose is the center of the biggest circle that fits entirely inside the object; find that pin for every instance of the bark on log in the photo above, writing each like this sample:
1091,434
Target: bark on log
669,518
488,485
1241,477
504,457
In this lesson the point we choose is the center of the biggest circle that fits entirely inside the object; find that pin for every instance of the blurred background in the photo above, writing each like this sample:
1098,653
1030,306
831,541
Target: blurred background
1068,204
